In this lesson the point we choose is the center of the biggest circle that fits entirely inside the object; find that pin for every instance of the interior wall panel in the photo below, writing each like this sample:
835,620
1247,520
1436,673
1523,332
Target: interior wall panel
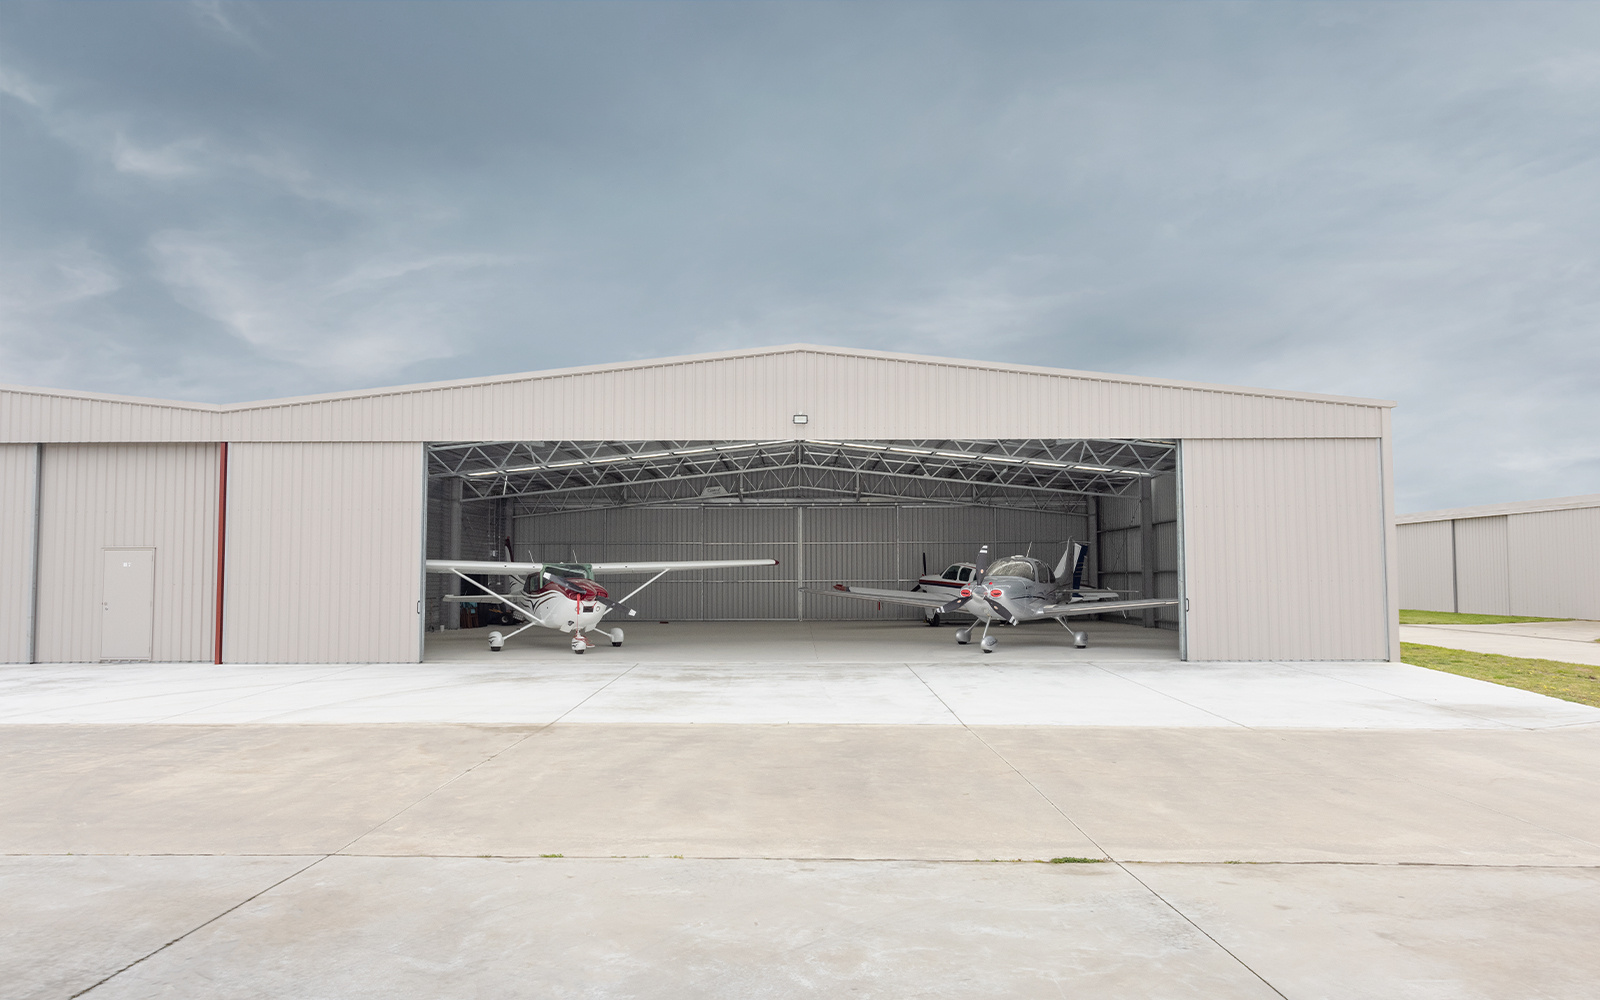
17,467
878,546
1554,560
1483,568
1427,566
99,496
1285,552
324,553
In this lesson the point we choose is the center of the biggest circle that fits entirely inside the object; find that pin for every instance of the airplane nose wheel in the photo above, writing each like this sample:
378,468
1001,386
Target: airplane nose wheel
963,636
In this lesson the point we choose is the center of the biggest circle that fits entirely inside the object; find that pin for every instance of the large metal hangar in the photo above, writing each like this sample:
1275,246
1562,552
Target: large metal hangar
296,530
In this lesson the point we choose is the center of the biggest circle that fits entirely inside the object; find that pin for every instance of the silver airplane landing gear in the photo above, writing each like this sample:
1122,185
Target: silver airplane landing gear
988,642
1080,640
497,642
963,635
616,636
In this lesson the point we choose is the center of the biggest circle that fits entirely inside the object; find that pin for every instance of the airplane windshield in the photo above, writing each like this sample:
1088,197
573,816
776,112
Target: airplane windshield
1014,567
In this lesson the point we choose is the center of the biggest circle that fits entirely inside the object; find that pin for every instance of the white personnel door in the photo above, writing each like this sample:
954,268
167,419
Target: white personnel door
127,609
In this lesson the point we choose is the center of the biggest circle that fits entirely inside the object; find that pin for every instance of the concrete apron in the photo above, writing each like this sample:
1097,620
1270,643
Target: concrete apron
816,860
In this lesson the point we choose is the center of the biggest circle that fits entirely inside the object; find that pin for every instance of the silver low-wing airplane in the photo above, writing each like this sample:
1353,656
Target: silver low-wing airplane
1012,590
564,596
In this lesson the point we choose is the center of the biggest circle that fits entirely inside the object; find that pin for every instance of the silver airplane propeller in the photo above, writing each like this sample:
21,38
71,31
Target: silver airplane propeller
976,588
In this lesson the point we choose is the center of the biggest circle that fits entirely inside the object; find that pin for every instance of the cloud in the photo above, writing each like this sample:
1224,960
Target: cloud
219,16
36,286
339,313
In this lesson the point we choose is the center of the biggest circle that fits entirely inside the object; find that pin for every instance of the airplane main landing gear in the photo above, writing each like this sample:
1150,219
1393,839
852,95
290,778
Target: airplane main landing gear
1080,640
931,619
496,642
988,643
616,636
963,636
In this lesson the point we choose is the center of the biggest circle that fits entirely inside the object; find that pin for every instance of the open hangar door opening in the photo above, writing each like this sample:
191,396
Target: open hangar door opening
859,513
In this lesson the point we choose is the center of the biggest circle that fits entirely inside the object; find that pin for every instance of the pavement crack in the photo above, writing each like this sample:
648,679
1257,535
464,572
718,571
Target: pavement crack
198,927
1106,854
487,760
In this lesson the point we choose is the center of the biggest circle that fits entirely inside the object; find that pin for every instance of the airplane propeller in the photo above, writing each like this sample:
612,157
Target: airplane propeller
976,588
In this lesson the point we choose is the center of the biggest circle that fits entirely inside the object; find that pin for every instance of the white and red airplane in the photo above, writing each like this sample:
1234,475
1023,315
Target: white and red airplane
1011,590
564,596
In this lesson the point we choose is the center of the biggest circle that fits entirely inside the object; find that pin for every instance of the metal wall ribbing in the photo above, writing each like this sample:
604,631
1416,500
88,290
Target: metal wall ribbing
1555,563
324,553
17,498
737,395
1483,566
1541,562
1285,551
869,546
1121,550
1427,568
94,497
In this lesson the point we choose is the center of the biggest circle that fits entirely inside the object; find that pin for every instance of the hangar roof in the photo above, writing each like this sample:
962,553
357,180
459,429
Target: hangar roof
845,394
1494,509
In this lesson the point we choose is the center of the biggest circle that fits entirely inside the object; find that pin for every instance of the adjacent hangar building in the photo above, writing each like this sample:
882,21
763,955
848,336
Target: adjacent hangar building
295,530
1539,558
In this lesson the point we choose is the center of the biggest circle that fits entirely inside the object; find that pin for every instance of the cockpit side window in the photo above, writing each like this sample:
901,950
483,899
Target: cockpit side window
953,573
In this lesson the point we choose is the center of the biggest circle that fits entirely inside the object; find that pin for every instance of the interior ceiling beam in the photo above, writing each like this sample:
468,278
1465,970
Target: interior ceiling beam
609,473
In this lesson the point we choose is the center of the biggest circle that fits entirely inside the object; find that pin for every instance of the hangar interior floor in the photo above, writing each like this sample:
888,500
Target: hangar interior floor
821,642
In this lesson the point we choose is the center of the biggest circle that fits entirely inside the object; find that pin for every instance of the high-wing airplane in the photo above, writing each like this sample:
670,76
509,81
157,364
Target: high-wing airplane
564,596
1011,590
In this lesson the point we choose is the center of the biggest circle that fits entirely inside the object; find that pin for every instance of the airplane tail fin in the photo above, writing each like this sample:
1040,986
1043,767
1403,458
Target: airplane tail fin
1077,553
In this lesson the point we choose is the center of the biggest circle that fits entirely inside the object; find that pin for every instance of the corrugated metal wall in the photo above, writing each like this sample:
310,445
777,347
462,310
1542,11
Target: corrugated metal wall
161,496
17,463
871,546
1555,563
1120,554
847,394
1427,574
324,553
1285,550
1482,566
1543,563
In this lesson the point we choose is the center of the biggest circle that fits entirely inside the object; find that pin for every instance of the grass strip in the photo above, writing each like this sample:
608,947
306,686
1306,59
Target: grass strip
1567,681
1409,617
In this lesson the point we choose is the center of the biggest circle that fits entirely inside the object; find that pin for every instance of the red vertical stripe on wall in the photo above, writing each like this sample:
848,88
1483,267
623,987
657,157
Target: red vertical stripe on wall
222,544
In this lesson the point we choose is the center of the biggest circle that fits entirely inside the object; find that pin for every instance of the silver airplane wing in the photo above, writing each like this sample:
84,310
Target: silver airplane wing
909,598
534,568
1098,607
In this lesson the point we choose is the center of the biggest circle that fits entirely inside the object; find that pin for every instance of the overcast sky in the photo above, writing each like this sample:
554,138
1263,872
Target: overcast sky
235,200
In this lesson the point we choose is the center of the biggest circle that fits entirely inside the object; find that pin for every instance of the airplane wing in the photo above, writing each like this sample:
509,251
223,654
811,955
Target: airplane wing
661,567
534,568
1098,607
910,598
